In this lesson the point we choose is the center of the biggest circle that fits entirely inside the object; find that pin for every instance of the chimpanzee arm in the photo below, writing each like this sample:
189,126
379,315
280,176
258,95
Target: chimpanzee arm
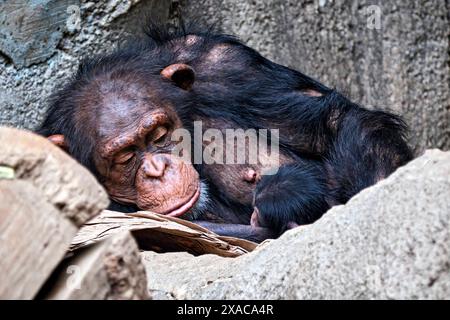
358,146
367,146
247,232
295,195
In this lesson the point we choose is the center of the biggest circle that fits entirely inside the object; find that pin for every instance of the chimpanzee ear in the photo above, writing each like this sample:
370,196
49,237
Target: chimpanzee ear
181,74
58,140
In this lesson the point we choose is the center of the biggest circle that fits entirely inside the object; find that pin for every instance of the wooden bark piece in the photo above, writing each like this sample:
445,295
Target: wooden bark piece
110,269
34,237
161,234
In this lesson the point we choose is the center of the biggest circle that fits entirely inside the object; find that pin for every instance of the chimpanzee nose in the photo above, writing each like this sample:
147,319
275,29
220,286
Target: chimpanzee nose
251,176
155,165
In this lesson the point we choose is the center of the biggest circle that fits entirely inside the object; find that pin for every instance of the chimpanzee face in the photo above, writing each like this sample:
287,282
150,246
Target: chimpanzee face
132,127
135,161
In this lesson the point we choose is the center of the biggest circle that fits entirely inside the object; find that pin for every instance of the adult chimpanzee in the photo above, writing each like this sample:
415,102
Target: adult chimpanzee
118,113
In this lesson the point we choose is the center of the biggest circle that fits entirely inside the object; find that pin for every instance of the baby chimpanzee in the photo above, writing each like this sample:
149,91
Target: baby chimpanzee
117,116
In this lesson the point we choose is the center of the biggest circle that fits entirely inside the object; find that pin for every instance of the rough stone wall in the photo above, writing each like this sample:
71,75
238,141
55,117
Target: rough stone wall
42,42
389,54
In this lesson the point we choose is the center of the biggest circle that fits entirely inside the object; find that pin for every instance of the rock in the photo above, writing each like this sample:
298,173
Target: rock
44,197
391,241
34,237
71,188
389,54
30,31
111,269
31,70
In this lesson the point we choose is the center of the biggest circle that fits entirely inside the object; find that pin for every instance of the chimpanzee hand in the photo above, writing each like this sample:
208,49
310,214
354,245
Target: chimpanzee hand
295,195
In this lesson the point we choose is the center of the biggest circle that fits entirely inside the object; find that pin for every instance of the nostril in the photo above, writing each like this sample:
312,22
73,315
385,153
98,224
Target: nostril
250,176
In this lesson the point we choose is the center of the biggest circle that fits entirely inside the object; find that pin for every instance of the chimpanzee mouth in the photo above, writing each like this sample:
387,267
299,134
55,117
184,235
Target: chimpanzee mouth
185,207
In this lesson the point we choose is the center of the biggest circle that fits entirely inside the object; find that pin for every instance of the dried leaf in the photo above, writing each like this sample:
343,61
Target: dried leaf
161,234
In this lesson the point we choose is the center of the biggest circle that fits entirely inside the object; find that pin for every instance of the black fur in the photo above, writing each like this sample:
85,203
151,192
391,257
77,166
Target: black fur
355,147
343,147
297,193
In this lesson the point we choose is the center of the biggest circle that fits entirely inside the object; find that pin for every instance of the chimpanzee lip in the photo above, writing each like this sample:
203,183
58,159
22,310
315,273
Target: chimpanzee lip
183,208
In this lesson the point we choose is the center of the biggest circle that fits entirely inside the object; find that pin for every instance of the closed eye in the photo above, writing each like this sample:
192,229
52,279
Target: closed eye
159,135
124,158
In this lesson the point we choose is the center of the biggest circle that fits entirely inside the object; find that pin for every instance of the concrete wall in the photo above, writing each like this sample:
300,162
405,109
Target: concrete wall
389,54
42,42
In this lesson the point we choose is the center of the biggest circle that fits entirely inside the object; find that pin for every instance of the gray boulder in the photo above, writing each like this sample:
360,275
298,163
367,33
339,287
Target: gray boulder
391,241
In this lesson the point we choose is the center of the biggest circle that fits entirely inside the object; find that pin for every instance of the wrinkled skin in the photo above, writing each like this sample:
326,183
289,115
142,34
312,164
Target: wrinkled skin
137,166
133,154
